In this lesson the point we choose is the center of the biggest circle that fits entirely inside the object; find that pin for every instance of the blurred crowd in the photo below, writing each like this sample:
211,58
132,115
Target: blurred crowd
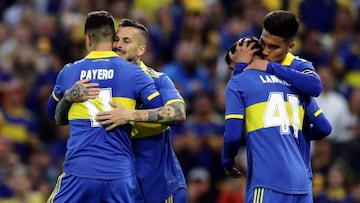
188,39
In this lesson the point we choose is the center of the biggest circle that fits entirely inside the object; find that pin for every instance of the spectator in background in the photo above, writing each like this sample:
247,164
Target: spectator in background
69,17
354,191
232,190
231,30
17,123
208,126
7,42
318,186
8,160
313,19
350,151
19,181
350,57
164,36
339,117
322,156
254,14
187,74
199,186
338,180
312,48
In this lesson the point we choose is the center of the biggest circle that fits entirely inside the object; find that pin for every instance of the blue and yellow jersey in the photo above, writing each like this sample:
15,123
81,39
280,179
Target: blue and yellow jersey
272,113
157,167
299,72
18,126
93,152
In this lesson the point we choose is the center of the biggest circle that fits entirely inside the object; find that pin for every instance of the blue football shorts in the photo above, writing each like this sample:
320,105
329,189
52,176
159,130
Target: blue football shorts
74,189
264,195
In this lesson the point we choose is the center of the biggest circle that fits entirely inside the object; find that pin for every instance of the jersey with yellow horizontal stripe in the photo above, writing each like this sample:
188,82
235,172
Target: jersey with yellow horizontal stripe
92,152
273,115
157,166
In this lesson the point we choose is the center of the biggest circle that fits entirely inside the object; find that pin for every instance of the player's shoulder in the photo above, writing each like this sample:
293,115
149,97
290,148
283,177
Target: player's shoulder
296,60
75,63
239,79
247,79
151,71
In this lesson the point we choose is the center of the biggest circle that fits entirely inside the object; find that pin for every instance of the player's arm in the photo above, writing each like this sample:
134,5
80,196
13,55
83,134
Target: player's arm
316,125
173,111
306,80
234,122
81,91
168,114
56,94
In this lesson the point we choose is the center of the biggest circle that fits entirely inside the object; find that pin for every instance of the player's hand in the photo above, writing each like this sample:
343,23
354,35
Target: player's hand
258,64
233,172
114,118
82,90
244,52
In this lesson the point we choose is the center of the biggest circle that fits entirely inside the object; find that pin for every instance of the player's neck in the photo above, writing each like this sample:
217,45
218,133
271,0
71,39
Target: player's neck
137,61
102,47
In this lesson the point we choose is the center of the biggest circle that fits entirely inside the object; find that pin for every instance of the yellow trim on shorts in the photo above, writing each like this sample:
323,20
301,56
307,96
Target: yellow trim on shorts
55,97
170,199
258,195
56,189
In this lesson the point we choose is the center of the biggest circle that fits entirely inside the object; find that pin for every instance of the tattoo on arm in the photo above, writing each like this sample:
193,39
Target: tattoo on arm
168,114
74,94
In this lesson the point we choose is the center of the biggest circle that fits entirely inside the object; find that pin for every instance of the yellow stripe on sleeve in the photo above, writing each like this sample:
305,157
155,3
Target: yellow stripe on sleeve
153,95
55,97
237,116
318,112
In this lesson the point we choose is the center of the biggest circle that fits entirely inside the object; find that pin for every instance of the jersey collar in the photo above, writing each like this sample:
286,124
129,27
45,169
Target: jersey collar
101,54
288,59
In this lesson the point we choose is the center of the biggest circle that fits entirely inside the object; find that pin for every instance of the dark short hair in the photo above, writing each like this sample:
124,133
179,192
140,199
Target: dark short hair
126,22
100,25
241,41
281,23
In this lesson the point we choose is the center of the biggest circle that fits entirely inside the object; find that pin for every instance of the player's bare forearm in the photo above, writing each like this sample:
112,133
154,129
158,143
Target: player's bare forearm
168,114
172,113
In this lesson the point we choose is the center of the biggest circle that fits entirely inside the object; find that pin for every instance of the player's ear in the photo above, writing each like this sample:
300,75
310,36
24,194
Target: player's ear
88,40
141,50
291,45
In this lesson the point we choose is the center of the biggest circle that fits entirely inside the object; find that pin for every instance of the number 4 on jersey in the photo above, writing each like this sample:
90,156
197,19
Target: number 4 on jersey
277,113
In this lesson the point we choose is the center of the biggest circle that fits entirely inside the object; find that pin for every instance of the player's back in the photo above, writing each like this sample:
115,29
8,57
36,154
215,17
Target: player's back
273,117
153,148
93,152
